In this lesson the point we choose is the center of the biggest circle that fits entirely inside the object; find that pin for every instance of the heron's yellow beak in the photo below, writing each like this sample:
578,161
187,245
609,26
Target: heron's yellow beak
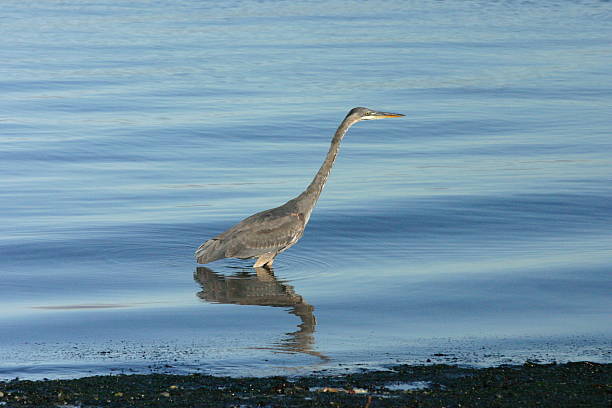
392,115
382,115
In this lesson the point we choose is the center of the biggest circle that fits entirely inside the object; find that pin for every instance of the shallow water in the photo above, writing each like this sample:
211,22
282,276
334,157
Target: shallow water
475,230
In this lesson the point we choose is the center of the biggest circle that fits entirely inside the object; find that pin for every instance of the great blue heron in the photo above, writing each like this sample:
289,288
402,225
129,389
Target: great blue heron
268,233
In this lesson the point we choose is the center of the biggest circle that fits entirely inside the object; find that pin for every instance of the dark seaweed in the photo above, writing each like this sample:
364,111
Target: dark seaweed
581,384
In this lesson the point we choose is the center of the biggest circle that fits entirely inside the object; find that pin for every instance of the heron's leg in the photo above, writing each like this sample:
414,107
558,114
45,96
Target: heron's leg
265,259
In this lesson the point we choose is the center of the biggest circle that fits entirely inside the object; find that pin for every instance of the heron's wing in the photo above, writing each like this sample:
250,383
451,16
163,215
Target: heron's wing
267,231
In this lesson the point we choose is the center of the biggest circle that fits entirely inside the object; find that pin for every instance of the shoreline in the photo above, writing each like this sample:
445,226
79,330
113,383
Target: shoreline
555,385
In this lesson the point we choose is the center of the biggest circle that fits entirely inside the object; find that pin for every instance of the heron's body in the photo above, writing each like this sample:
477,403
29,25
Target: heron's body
268,233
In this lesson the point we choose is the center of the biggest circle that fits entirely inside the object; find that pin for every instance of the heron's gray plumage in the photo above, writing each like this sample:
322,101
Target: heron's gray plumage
268,233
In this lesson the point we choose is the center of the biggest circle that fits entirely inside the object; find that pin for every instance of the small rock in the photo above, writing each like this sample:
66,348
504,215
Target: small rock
165,394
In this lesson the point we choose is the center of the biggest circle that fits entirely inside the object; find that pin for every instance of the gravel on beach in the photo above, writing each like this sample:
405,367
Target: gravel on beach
580,384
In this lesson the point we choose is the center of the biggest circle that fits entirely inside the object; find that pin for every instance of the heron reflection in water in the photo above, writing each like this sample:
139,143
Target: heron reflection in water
262,289
268,233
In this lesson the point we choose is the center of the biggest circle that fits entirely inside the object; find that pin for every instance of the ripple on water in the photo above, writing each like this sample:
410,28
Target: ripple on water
299,265
289,268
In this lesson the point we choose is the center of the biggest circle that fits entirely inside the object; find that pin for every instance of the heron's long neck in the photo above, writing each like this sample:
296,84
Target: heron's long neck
312,193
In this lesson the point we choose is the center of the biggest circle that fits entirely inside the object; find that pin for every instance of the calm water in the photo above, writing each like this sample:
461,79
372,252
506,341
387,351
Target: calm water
476,230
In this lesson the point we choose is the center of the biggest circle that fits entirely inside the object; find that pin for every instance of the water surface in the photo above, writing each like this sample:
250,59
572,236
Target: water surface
475,230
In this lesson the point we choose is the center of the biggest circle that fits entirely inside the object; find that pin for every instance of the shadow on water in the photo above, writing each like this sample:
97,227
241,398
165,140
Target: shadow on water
263,289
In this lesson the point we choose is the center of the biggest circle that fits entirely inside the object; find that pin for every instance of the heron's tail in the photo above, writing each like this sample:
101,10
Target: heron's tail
209,251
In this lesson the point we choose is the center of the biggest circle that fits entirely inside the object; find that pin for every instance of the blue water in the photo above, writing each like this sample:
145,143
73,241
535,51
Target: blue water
476,230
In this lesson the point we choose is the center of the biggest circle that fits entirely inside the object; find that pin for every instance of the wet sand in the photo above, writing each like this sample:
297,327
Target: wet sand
581,384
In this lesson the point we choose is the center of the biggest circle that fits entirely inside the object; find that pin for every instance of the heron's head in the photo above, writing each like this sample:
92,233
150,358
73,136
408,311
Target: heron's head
358,114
